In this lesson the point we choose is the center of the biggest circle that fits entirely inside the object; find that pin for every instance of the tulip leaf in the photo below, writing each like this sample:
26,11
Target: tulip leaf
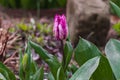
42,52
68,50
4,74
7,71
33,67
21,66
61,74
50,76
29,61
73,68
112,50
51,60
2,77
25,61
54,66
85,51
39,74
86,70
115,8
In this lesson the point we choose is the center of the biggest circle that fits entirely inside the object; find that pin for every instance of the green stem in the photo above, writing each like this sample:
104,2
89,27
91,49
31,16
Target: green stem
62,52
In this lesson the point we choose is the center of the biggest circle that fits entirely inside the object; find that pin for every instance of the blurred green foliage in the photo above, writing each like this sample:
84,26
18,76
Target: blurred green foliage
117,2
116,27
36,31
33,4
115,7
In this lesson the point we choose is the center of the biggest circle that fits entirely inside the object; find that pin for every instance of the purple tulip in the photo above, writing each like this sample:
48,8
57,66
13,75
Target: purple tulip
60,27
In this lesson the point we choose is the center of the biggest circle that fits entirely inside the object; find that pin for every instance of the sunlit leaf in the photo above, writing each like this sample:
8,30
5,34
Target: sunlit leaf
85,51
112,51
86,70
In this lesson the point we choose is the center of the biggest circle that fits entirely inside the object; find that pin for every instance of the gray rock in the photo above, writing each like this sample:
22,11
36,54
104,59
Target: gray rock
88,19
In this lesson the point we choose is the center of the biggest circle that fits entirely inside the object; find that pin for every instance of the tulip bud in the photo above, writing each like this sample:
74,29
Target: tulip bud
25,61
60,29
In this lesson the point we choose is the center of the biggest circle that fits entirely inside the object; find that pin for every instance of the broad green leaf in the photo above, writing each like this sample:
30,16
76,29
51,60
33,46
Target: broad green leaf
104,71
10,73
61,74
85,51
68,50
112,51
49,59
42,52
86,70
2,77
50,76
54,66
73,68
39,74
115,8
5,74
117,2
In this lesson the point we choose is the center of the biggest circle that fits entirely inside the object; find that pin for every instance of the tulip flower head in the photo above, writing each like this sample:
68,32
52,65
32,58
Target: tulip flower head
60,28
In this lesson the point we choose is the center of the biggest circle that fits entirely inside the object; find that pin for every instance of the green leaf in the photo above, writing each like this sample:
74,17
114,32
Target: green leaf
21,75
86,70
42,52
116,27
21,72
68,50
23,27
2,77
34,67
25,64
112,51
73,68
29,61
39,74
115,8
4,74
54,66
10,73
48,58
117,2
50,76
61,74
85,51
25,61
